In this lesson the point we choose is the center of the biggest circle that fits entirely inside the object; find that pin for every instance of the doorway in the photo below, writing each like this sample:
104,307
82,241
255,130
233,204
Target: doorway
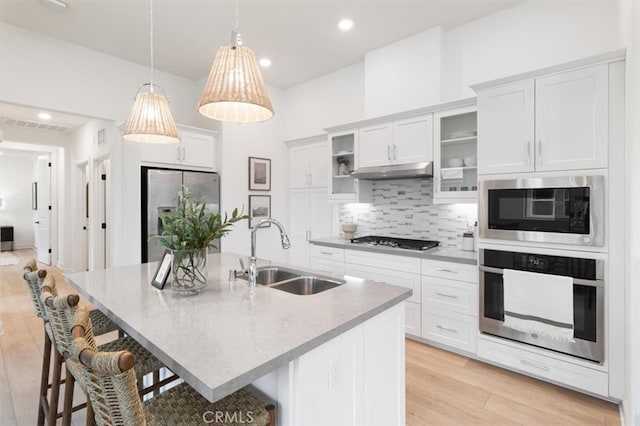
41,195
101,219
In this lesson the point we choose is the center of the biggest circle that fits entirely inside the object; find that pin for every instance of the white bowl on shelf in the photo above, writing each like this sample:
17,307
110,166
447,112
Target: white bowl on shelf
455,162
470,161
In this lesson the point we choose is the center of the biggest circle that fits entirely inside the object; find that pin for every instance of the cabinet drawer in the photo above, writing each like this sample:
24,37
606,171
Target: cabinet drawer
450,295
328,267
402,279
450,270
384,261
550,369
450,328
412,320
329,253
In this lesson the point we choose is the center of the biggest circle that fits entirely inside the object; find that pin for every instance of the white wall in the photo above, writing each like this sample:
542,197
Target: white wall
332,99
16,176
404,75
239,142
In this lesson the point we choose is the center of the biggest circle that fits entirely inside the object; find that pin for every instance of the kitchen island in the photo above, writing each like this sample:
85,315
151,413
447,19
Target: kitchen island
335,357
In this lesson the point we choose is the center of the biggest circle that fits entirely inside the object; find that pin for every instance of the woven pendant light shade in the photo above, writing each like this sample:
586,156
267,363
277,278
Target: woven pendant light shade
235,91
150,120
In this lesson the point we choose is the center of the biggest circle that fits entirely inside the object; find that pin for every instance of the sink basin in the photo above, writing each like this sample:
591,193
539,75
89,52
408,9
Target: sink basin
308,285
268,275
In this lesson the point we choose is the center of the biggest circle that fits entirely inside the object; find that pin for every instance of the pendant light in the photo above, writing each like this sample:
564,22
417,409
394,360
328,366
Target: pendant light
150,119
235,91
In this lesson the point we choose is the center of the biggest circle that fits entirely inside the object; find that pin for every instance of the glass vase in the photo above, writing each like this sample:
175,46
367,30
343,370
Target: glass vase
189,269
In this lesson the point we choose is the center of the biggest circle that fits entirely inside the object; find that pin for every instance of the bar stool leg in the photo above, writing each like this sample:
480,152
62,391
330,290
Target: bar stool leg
91,419
44,380
55,388
69,384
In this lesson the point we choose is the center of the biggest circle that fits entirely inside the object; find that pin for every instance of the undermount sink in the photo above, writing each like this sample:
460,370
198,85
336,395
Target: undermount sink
271,274
293,281
308,285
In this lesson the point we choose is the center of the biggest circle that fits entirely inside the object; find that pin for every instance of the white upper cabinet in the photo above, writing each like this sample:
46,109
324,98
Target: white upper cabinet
572,120
308,167
402,141
196,148
375,145
505,129
553,123
413,139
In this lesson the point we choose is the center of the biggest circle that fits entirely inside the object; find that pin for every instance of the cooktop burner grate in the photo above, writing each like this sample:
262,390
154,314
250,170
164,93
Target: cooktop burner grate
403,243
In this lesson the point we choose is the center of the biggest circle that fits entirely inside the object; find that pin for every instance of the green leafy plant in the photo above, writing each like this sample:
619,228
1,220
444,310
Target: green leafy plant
193,226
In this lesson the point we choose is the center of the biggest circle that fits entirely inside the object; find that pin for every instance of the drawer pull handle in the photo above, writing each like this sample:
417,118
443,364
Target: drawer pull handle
452,330
451,296
534,365
326,253
446,270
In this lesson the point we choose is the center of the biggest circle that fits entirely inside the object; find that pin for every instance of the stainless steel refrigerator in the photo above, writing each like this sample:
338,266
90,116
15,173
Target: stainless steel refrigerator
160,196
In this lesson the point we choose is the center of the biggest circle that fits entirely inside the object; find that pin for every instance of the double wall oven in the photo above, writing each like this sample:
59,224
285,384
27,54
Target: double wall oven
560,211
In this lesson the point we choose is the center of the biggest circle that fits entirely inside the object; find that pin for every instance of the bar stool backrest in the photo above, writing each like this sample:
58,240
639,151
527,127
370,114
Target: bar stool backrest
34,279
109,377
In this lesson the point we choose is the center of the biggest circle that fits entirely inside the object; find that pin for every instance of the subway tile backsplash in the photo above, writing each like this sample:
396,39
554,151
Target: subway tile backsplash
404,208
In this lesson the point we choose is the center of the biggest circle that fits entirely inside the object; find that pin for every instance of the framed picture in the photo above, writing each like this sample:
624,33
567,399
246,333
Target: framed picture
34,195
259,174
259,208
162,273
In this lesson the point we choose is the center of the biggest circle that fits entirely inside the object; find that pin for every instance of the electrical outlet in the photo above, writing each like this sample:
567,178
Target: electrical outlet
335,374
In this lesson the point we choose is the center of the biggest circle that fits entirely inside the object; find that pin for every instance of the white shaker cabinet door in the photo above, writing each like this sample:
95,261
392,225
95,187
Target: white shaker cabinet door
169,153
319,155
319,213
413,139
299,227
572,120
299,167
506,129
375,146
198,150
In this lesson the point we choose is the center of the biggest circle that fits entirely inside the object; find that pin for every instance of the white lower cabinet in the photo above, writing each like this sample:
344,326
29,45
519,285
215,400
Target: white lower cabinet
355,379
450,304
551,369
413,318
327,260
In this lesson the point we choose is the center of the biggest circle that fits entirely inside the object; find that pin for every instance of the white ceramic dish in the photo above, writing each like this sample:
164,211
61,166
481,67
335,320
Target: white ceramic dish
455,162
463,134
470,161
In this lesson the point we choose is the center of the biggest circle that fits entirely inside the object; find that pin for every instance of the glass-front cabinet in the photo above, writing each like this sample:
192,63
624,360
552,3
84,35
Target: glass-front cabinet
343,187
455,171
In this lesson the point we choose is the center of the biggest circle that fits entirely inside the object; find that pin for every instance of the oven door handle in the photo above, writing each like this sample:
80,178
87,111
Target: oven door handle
576,281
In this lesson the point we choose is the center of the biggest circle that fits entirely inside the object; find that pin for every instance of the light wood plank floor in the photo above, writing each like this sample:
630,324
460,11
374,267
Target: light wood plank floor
442,388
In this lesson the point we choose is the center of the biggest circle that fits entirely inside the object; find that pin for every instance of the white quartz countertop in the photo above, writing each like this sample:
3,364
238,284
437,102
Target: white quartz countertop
445,254
221,340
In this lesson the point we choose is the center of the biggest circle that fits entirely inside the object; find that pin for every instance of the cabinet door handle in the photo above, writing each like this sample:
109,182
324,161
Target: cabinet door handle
446,270
179,153
528,153
452,330
451,296
539,153
388,152
395,151
310,179
534,365
326,253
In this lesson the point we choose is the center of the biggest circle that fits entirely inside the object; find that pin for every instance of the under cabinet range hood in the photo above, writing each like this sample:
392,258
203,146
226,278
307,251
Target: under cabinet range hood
396,171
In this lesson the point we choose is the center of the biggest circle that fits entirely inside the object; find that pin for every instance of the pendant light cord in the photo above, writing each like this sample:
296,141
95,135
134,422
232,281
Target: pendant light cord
151,40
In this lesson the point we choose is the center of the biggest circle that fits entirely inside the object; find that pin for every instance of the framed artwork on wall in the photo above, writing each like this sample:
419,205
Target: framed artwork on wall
259,208
259,174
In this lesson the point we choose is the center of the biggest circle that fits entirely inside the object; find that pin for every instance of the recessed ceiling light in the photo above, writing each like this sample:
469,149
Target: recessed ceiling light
44,116
345,24
265,62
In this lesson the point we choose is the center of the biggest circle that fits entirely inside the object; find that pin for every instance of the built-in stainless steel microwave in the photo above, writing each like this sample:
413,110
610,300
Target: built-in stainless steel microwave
565,210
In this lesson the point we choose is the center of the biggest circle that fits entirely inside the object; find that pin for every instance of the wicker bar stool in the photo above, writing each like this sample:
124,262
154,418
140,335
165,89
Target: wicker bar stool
34,278
110,381
60,312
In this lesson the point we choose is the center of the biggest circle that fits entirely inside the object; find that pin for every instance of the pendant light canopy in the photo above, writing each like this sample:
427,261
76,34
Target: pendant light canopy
235,91
150,119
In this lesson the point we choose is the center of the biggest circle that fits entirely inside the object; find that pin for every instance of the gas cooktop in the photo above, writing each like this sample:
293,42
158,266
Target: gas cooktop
403,243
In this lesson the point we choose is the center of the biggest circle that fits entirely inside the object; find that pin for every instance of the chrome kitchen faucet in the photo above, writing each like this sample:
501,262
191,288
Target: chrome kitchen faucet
284,239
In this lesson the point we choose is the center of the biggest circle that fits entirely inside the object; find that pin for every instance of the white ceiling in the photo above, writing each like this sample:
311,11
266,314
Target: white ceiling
299,36
28,117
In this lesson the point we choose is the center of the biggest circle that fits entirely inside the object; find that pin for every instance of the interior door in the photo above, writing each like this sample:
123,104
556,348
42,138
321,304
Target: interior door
42,189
